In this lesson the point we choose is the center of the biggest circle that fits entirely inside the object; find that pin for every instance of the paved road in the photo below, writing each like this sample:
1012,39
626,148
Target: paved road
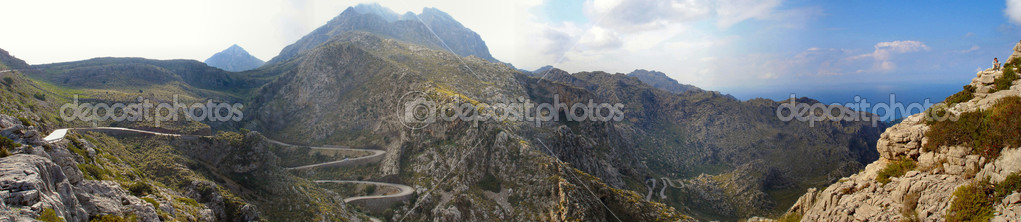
375,153
405,190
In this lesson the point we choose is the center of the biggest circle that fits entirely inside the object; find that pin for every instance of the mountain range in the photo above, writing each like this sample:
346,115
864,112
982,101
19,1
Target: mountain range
678,153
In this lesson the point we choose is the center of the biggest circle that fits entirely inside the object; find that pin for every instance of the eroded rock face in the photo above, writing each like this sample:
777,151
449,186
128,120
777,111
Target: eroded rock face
30,183
927,191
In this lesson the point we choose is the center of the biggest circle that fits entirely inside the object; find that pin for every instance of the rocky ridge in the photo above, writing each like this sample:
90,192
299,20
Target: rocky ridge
927,191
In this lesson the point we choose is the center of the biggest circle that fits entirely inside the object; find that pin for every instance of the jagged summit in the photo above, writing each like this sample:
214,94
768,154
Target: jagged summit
234,59
421,29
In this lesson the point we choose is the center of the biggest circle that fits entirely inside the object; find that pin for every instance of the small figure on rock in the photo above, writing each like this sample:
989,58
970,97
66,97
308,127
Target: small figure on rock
996,64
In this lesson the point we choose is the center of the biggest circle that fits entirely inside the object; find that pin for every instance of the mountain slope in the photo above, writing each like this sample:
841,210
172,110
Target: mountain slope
661,81
732,155
234,59
464,171
421,29
963,168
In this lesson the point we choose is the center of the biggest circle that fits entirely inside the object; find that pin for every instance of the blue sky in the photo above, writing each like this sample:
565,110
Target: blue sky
830,50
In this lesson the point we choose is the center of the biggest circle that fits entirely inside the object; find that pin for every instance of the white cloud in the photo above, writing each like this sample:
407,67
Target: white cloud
1013,11
882,55
735,11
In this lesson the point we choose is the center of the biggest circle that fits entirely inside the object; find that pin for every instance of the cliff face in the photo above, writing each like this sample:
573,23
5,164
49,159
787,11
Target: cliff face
925,191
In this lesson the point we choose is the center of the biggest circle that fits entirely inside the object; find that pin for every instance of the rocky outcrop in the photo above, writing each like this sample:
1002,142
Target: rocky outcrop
925,192
32,183
46,176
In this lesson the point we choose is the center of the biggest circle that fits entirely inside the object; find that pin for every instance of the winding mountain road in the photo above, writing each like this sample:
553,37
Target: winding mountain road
374,202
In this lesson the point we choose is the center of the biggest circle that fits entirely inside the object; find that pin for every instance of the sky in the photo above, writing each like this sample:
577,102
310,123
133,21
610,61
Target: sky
829,50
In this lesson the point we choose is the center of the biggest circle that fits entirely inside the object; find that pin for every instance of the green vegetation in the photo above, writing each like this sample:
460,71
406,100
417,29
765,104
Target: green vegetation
114,218
25,121
140,189
5,144
490,183
962,96
986,131
152,201
895,169
1009,76
974,202
49,215
189,201
1009,185
8,80
790,217
39,96
93,172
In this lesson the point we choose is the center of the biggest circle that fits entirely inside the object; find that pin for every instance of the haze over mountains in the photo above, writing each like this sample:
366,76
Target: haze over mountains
678,153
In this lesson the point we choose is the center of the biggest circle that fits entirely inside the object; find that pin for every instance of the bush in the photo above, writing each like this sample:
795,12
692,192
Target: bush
49,215
189,201
114,218
140,189
9,81
972,202
93,172
962,96
39,96
25,121
1009,76
1008,186
986,131
152,201
895,169
8,143
490,183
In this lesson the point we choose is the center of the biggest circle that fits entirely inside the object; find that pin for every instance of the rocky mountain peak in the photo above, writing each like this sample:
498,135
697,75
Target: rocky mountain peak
432,28
234,59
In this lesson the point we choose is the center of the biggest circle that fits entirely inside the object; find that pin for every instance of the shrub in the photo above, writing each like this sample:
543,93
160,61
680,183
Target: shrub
189,201
152,201
1008,186
114,218
962,96
8,80
895,169
972,202
986,131
140,189
8,143
25,121
39,96
93,172
490,183
1009,76
49,215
